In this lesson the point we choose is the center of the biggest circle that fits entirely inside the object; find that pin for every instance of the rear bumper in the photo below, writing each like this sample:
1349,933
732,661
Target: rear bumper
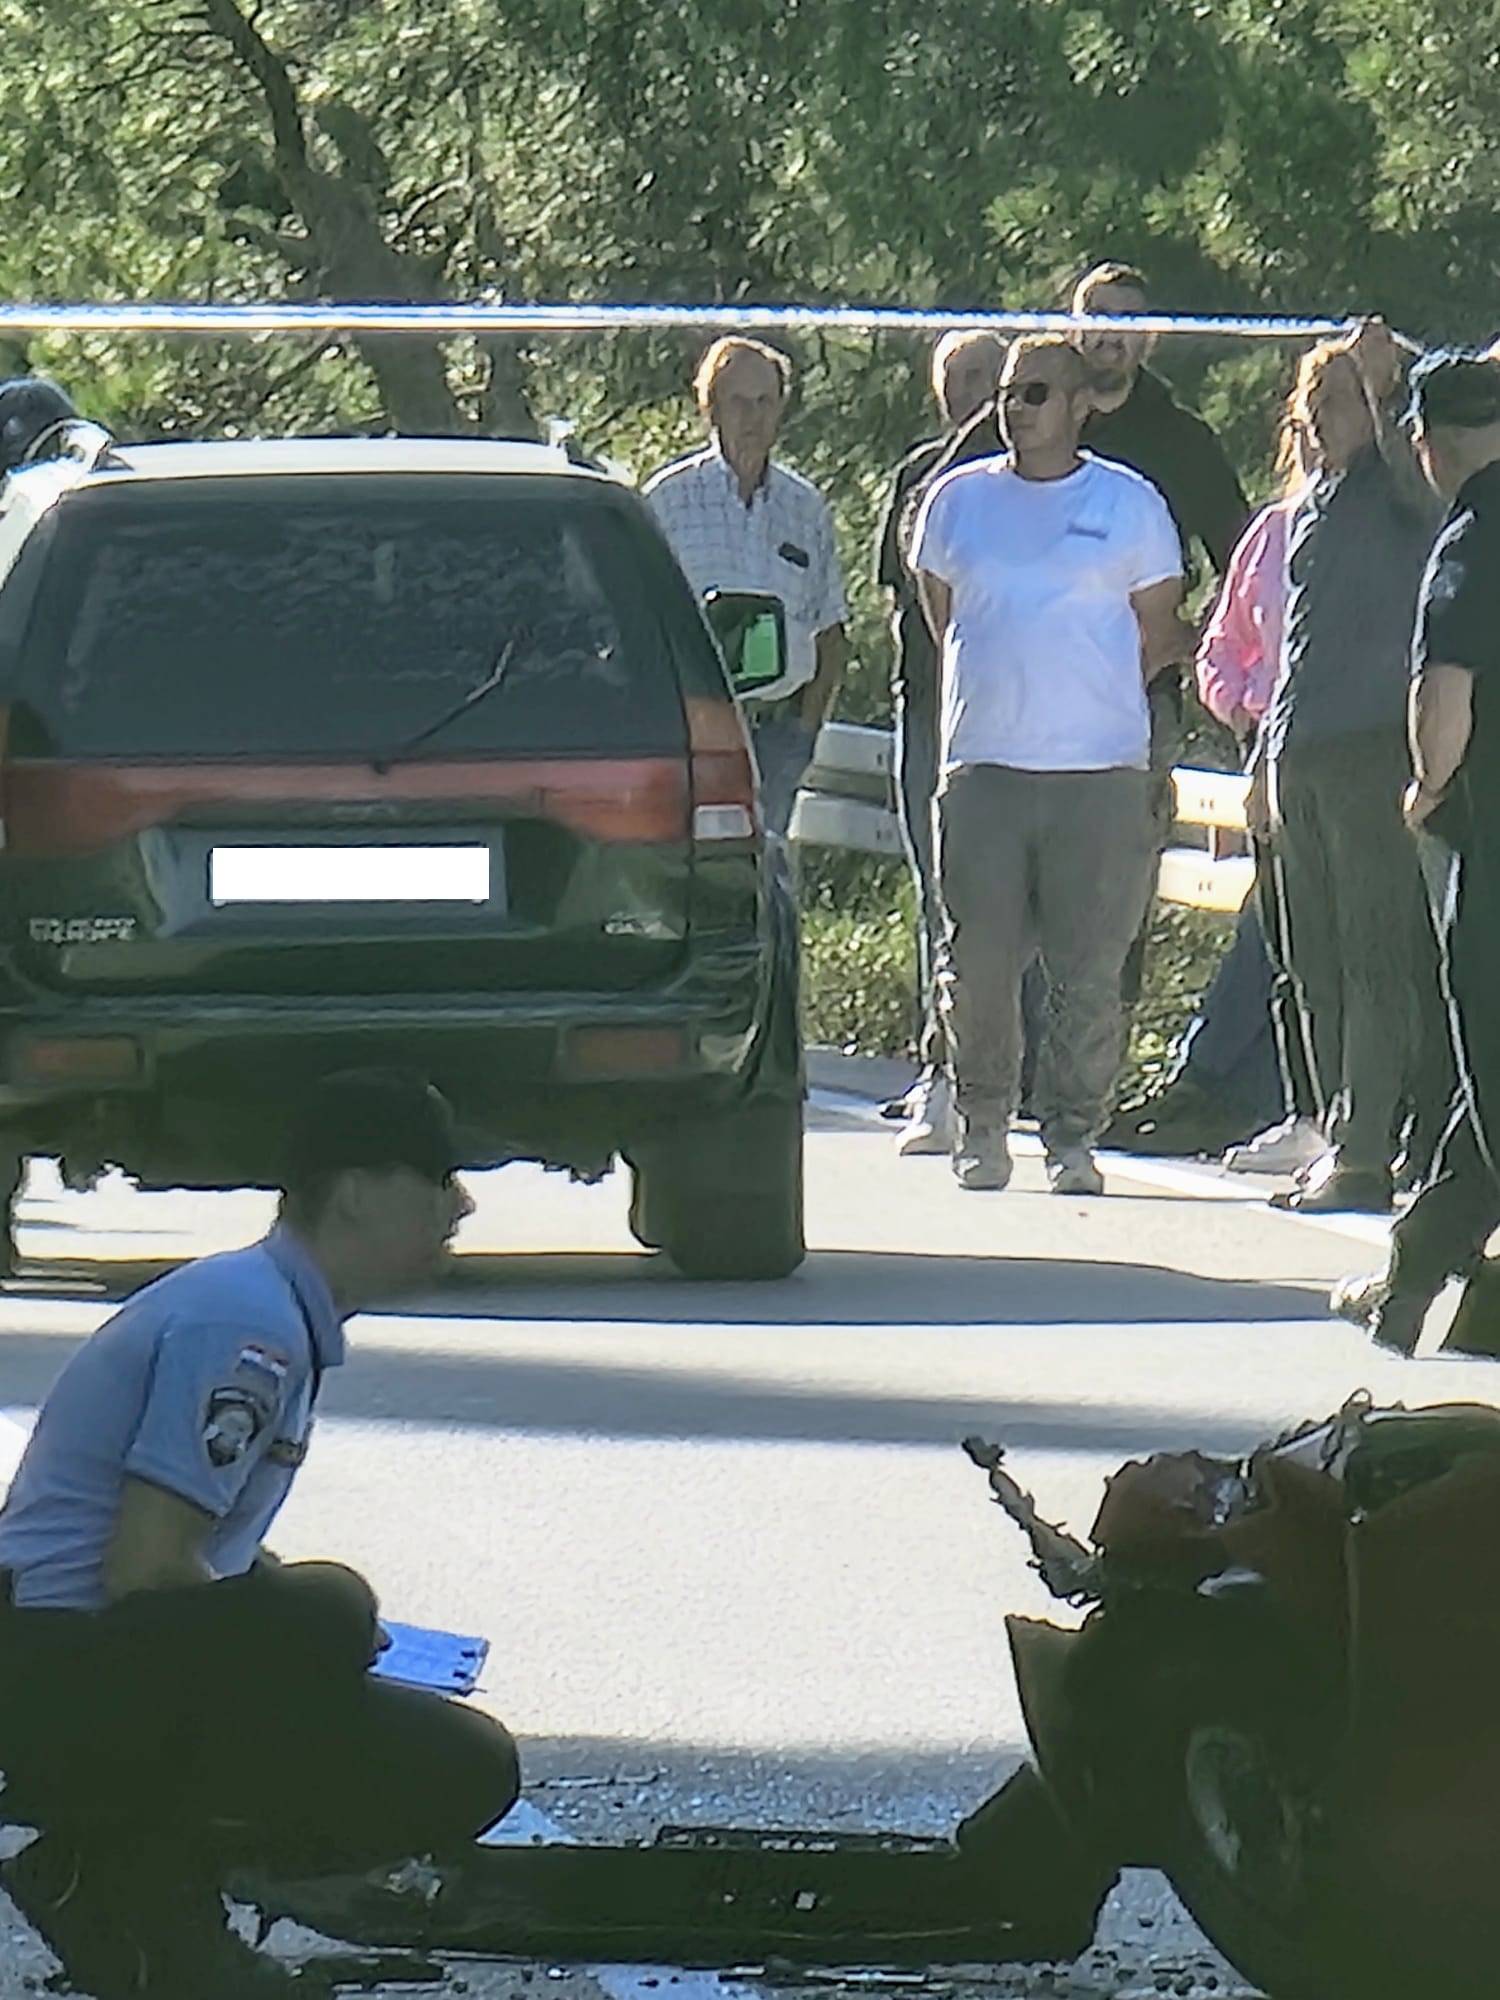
566,1076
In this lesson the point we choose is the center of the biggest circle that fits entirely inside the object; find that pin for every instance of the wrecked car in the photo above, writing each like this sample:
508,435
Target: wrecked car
1282,1695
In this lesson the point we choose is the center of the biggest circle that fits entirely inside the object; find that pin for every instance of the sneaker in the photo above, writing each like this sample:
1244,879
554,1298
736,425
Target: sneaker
1288,1148
931,1129
898,1109
981,1161
1180,1121
1344,1191
1074,1173
1359,1299
1392,1318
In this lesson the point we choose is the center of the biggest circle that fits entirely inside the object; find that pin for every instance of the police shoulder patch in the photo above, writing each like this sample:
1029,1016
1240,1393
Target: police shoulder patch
233,1420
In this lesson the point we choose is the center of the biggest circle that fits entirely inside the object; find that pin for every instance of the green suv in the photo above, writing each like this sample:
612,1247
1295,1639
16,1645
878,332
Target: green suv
350,751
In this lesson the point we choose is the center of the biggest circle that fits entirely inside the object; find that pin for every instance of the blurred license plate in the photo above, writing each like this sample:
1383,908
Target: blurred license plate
388,874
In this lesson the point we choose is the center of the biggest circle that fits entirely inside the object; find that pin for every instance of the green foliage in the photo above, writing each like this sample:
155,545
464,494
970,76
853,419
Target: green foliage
1182,955
859,961
1288,153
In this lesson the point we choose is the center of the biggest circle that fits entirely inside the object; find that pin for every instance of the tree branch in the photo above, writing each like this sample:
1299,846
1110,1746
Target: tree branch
224,19
411,218
303,365
296,252
349,252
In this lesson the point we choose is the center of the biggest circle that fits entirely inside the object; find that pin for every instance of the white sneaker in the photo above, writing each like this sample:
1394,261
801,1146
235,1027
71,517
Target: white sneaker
1288,1148
931,1127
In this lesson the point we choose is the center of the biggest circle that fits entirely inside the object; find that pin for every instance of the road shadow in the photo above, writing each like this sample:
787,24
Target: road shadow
689,1392
698,1398
603,1399
863,1288
833,1288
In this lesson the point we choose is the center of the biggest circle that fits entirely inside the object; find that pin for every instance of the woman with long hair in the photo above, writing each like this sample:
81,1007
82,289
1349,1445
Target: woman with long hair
1239,1065
1354,926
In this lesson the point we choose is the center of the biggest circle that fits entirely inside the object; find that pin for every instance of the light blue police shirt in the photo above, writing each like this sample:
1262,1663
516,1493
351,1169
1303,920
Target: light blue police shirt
203,1385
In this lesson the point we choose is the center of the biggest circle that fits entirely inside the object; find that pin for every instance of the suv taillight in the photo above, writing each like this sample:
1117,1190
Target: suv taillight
724,803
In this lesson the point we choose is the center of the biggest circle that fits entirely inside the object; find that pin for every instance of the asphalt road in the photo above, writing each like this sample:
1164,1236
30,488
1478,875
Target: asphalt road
732,1562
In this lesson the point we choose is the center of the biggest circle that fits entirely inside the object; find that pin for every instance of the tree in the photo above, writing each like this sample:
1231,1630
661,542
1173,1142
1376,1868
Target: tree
1257,153
344,250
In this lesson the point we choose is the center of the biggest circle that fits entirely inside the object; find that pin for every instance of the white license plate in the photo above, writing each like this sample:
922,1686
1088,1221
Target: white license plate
389,874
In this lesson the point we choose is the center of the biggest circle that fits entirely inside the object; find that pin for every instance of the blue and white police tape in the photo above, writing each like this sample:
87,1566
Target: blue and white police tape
370,318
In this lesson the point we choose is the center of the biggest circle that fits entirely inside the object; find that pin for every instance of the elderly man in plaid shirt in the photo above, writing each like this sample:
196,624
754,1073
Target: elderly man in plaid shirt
736,520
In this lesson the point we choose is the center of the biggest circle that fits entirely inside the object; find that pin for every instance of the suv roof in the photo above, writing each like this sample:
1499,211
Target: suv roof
248,457
31,491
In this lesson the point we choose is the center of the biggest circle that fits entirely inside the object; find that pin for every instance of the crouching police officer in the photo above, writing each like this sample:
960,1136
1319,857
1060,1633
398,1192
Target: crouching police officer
173,1702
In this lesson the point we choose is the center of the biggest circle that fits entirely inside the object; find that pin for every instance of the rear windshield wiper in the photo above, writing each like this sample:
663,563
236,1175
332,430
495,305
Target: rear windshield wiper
382,763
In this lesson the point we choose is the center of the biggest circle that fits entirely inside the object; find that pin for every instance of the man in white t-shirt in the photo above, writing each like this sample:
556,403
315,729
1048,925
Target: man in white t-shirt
1052,581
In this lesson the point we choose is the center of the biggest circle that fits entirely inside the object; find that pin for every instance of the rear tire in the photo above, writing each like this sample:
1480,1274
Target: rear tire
724,1199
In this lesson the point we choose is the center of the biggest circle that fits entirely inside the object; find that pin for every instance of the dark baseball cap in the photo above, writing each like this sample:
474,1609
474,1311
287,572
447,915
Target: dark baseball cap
1456,389
372,1118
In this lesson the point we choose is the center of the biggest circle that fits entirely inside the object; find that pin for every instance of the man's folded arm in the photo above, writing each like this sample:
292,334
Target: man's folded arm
158,1542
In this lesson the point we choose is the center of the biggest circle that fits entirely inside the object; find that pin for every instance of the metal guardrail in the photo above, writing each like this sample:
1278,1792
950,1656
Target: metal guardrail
1217,876
848,800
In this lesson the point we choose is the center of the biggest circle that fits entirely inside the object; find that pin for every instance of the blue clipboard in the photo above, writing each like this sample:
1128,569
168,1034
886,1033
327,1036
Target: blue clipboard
418,1657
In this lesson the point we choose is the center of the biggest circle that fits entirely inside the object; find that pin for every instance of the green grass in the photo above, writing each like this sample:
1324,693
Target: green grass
859,954
1183,954
859,973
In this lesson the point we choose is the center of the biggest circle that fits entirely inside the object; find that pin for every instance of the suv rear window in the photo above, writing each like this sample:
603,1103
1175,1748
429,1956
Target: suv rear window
278,616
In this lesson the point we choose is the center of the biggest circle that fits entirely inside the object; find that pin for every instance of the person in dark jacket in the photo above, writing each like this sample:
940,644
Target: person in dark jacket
965,371
1137,421
1362,953
1453,803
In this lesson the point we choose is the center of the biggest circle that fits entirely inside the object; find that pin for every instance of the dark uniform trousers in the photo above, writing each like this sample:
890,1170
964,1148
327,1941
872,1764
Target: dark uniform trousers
1362,955
237,1719
916,757
1444,1233
1299,1099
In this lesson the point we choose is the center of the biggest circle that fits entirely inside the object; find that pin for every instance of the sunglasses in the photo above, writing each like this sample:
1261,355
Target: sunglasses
1032,394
